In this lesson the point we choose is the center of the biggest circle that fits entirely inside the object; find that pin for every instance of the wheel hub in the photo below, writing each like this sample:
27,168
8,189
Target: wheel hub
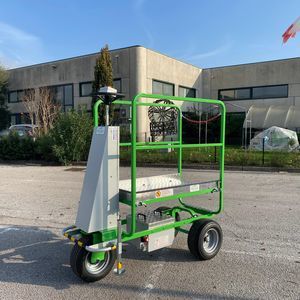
211,240
96,268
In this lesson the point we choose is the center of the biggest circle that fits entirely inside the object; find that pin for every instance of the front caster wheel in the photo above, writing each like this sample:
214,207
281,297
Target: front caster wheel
205,239
87,270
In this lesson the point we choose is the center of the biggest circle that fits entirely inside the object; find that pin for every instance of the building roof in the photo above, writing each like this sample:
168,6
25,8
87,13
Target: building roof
253,63
95,53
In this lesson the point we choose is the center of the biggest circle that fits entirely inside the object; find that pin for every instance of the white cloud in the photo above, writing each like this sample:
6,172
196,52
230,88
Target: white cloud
195,57
17,47
142,20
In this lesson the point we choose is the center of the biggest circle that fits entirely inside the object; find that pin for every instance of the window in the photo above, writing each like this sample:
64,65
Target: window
276,91
242,94
259,92
13,119
118,84
85,89
163,88
21,118
63,95
15,96
186,92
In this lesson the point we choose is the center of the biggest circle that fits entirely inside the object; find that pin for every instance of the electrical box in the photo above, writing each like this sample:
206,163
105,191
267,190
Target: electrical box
151,220
99,200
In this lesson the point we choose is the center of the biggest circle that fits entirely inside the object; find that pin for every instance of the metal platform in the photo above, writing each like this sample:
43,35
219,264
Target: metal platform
163,186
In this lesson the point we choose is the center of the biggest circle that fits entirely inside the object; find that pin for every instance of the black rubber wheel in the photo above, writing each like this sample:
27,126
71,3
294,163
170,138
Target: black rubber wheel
205,239
177,216
83,268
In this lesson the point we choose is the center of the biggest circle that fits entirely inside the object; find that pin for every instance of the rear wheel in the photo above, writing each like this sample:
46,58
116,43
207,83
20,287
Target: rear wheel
87,270
205,239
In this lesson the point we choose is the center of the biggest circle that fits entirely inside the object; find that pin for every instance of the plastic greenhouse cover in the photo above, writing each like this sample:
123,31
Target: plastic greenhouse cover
262,117
275,138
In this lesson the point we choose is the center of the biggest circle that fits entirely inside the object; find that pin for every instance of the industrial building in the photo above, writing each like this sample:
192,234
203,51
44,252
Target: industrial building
257,95
135,69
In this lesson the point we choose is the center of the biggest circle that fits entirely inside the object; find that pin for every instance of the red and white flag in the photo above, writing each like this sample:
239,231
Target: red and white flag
291,31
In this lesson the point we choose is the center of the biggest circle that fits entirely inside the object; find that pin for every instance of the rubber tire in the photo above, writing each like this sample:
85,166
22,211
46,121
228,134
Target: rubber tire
177,216
77,262
196,238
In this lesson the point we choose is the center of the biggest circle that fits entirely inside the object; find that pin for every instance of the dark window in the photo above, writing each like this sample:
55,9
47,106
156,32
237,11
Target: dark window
63,95
22,118
15,96
118,84
13,119
259,92
162,88
85,89
226,94
18,96
278,91
242,94
186,92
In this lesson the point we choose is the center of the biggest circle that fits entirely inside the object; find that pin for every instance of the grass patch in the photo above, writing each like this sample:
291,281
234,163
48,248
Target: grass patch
210,156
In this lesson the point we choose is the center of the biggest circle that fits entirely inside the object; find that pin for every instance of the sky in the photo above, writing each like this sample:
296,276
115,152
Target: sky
205,33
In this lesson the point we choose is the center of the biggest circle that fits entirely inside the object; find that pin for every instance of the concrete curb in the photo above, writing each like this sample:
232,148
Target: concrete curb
155,165
210,167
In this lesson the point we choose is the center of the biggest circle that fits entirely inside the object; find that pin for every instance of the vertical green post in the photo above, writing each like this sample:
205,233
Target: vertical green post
133,163
96,117
180,142
222,156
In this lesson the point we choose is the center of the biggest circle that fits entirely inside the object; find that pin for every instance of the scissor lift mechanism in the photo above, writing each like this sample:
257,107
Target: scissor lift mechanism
94,254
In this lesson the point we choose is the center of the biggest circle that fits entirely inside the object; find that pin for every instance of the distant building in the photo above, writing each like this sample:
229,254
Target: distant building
257,95
267,92
135,69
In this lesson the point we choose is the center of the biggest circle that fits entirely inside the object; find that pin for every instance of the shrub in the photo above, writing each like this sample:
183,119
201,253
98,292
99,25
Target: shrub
12,147
71,136
43,148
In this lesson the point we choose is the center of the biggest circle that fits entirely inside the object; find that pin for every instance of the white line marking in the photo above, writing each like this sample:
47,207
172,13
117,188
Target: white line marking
155,271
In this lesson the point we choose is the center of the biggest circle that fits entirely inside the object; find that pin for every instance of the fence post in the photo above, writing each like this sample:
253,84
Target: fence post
215,154
263,151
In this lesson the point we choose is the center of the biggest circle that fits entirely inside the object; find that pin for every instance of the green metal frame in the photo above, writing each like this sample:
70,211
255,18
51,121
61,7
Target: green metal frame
195,212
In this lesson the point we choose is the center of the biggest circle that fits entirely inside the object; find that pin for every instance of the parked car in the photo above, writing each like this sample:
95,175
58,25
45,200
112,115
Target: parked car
4,132
22,130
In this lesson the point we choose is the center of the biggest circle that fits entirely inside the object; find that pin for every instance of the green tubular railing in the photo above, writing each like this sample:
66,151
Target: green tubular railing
135,146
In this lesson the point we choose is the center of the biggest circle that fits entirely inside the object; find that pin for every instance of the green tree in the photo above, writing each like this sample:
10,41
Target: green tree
103,77
70,138
4,112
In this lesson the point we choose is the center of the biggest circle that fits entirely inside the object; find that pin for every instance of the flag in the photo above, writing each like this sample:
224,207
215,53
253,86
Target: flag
291,31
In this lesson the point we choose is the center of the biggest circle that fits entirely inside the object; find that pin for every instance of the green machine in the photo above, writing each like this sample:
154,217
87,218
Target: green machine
100,231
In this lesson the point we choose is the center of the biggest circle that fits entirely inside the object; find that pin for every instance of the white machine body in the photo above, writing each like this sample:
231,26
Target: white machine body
99,200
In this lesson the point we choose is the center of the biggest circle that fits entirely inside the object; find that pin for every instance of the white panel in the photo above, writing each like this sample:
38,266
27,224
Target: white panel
99,201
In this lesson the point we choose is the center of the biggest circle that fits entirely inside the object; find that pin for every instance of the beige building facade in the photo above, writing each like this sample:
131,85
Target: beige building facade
267,93
252,92
135,69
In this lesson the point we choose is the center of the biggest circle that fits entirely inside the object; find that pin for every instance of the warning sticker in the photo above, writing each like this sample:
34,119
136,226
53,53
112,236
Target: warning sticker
164,193
100,130
114,134
194,188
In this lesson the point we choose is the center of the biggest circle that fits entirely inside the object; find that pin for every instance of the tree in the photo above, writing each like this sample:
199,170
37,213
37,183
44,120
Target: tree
48,109
31,105
41,108
103,77
4,112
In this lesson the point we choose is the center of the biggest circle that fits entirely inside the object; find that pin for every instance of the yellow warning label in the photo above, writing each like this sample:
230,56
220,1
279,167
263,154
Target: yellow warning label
157,194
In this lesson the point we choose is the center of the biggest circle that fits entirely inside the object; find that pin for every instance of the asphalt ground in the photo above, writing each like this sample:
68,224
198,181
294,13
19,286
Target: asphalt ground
259,259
